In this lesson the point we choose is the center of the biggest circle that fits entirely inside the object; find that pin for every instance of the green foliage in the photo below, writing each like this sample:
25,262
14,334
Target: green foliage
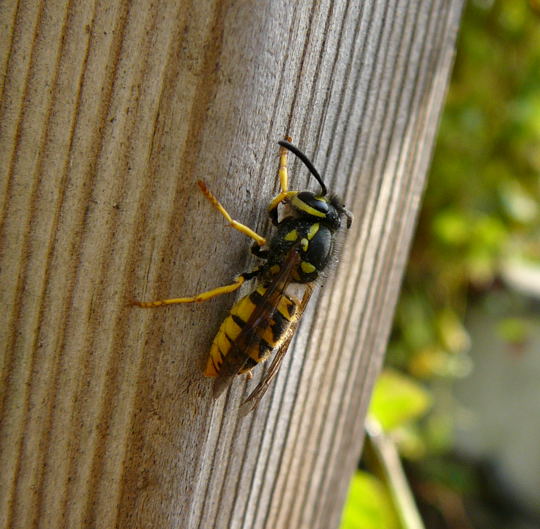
397,399
396,402
368,505
481,204
480,208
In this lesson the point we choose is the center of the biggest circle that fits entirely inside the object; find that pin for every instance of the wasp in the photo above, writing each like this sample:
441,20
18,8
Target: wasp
266,319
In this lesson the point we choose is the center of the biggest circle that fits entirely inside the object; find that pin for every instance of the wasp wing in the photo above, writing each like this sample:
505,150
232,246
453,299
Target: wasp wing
260,318
256,395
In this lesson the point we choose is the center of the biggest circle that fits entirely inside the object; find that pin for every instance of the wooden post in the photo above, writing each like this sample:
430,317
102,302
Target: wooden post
110,111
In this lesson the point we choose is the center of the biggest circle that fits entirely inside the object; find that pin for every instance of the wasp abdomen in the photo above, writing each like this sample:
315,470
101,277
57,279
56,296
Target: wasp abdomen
267,338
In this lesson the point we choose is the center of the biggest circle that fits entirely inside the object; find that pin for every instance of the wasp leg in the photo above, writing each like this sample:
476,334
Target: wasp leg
203,296
259,239
283,183
282,171
257,252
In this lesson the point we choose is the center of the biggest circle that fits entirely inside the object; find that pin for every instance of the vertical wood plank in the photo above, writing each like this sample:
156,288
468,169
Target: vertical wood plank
109,113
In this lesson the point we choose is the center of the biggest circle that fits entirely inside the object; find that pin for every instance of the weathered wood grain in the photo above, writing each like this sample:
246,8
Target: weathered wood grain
109,113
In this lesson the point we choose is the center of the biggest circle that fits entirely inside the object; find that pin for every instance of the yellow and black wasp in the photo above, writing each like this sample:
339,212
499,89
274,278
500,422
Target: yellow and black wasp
266,319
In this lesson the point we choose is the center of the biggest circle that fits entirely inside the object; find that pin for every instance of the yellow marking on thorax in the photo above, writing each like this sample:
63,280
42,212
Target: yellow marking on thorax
313,230
307,268
291,236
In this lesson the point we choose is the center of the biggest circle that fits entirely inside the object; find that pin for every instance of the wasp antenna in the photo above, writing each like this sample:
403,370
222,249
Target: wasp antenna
307,163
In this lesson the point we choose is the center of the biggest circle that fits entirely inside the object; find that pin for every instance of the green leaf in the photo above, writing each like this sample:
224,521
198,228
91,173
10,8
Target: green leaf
368,505
451,227
397,399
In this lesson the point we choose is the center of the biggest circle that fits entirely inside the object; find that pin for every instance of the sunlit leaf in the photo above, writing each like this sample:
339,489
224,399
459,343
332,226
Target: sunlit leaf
397,399
368,505
451,227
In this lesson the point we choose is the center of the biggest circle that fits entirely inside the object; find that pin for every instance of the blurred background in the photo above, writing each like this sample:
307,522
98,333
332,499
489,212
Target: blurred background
460,394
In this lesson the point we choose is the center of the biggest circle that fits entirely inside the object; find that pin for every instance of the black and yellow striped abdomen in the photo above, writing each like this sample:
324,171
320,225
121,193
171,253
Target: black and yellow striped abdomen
267,337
